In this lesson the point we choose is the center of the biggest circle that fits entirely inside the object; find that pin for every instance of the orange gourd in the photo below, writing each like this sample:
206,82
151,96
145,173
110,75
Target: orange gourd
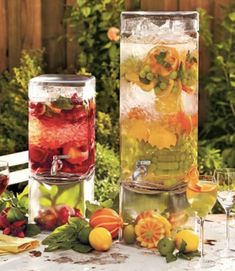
108,219
149,231
150,228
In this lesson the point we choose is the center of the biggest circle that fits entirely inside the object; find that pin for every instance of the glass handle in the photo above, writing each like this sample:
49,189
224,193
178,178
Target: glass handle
57,164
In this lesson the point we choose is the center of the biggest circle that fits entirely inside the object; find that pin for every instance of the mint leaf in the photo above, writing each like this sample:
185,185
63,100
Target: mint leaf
171,258
107,203
63,103
91,208
15,214
32,230
161,58
78,247
183,246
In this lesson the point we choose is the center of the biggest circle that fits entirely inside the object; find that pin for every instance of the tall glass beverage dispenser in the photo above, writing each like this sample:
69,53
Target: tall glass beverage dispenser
61,144
158,112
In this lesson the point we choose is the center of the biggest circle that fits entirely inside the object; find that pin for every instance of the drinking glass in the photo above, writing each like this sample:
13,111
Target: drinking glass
226,195
201,195
4,176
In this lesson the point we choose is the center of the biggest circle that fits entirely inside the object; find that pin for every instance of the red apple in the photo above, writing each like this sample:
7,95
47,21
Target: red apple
77,155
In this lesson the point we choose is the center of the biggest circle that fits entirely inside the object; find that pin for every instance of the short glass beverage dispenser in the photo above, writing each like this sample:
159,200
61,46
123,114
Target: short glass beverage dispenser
61,146
158,113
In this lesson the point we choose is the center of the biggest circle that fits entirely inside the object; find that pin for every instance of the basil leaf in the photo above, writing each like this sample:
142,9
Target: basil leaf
81,247
32,230
171,258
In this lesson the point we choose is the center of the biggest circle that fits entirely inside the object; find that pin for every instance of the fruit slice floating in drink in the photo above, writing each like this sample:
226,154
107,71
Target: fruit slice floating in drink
62,127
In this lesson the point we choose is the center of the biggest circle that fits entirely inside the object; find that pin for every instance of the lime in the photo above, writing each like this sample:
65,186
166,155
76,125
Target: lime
129,235
83,235
166,246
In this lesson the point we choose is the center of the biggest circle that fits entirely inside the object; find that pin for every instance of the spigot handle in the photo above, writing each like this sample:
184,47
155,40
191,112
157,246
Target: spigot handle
57,164
141,168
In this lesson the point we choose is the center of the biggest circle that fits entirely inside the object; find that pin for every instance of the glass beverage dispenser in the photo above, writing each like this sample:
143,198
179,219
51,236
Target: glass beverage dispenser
158,112
61,142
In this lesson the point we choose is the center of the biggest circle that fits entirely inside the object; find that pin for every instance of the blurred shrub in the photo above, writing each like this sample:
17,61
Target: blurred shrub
107,173
98,54
14,102
106,132
219,130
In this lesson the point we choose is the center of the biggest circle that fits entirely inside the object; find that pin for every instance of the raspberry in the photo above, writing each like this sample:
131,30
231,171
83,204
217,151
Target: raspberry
63,215
76,100
7,231
20,234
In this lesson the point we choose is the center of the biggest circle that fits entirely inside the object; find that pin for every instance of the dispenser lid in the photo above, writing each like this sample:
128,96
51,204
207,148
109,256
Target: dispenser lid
49,87
61,79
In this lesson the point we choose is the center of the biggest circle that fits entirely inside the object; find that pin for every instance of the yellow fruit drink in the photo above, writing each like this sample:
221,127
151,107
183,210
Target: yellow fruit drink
159,95
202,197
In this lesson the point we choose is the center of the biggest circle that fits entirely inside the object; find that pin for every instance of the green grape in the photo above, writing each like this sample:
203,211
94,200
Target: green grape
147,68
157,90
184,81
174,89
163,85
173,75
142,74
149,76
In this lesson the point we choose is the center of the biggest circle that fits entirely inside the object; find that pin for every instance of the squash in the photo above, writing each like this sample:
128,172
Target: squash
108,219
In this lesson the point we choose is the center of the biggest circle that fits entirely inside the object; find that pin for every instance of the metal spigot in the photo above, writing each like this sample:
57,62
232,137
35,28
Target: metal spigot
57,164
141,168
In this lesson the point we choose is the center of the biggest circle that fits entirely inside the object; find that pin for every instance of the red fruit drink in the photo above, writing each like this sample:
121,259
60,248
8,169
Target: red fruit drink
61,126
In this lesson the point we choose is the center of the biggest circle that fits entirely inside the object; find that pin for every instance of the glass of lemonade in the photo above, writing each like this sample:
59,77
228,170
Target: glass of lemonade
158,108
201,195
226,195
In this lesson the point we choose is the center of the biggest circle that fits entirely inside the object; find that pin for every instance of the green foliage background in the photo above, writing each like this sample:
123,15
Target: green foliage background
100,56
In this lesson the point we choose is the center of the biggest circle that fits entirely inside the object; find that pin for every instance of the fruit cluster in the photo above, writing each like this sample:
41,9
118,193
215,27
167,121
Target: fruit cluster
49,219
165,70
152,230
62,127
15,228
82,236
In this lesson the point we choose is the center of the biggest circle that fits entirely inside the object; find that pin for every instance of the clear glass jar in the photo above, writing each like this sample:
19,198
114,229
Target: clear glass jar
159,94
158,112
61,128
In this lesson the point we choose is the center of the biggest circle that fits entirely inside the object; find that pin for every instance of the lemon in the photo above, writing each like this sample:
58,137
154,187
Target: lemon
190,238
100,239
129,235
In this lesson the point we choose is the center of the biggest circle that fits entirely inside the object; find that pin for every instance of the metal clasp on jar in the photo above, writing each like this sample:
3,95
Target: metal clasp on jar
57,164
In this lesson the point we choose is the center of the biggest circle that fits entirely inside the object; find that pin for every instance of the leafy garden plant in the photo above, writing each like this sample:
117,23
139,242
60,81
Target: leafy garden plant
217,136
